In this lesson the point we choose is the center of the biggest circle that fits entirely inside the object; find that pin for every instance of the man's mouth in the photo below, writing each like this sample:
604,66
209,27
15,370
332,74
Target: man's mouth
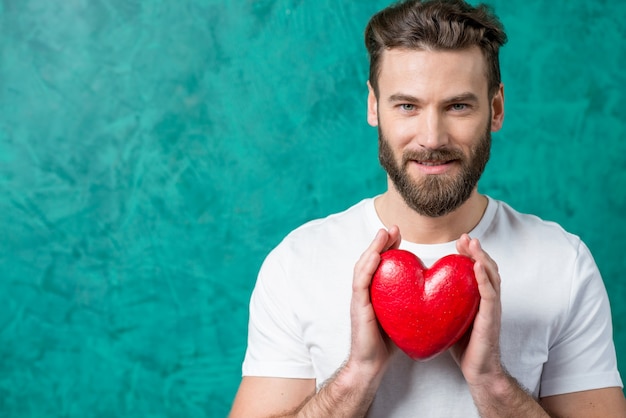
434,163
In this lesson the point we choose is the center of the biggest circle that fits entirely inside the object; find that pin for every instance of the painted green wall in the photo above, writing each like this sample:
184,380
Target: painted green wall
152,152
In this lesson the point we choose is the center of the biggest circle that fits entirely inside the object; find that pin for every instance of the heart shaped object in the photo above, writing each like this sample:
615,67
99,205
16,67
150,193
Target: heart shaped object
424,311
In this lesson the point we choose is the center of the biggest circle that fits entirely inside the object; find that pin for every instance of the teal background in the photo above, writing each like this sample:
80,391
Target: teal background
152,152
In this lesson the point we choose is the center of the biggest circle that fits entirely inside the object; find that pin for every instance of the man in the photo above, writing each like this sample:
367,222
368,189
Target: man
541,343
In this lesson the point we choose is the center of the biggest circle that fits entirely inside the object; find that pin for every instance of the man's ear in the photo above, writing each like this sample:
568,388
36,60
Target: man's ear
372,106
497,109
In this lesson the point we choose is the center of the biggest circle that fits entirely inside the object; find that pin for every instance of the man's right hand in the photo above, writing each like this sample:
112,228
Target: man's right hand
371,349
351,390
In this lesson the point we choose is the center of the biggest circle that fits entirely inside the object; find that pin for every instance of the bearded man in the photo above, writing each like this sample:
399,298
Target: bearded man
315,348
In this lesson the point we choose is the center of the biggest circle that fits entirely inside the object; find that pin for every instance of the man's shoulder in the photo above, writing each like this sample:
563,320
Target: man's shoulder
347,227
356,216
356,213
528,227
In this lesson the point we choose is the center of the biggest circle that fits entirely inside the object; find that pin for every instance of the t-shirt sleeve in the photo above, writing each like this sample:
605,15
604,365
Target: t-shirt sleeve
275,345
582,357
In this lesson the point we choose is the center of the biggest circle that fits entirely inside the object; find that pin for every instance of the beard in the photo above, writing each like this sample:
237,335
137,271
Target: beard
436,195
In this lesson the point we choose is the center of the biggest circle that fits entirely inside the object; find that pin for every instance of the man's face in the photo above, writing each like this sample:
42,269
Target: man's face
434,119
437,194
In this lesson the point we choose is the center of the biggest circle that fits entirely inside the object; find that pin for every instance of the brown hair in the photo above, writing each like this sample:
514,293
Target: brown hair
437,25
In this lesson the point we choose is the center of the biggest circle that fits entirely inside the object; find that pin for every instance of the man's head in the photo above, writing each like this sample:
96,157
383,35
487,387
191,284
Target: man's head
436,96
435,25
435,196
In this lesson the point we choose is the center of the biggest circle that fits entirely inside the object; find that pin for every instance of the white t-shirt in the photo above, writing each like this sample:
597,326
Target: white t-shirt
556,332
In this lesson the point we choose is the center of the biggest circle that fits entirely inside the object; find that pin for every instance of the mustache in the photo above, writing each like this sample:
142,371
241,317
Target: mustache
432,155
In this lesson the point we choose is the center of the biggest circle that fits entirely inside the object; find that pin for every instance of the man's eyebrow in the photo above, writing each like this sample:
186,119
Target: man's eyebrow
404,98
407,98
463,97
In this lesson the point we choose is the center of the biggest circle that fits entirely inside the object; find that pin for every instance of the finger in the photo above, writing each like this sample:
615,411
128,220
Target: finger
394,238
380,241
487,263
485,284
383,241
366,266
462,245
472,248
477,251
368,262
362,280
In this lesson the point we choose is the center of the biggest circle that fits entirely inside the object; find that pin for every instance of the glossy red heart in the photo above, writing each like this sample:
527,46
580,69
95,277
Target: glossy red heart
424,311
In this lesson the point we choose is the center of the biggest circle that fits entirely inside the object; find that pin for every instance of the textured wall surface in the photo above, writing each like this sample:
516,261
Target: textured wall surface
152,152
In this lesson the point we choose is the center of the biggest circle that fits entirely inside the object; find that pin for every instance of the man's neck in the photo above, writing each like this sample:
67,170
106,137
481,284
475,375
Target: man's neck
421,229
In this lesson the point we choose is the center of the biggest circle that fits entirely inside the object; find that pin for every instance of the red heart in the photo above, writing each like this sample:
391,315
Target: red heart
424,311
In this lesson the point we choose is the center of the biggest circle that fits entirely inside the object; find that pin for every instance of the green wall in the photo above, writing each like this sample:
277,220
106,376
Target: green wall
152,152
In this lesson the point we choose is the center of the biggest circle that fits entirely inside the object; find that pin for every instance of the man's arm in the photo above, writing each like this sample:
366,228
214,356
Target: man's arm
351,390
270,396
598,403
495,392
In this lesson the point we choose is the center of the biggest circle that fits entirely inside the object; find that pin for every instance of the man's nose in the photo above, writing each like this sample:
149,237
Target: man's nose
432,132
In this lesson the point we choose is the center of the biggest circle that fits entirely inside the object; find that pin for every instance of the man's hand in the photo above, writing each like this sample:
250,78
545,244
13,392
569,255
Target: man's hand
370,348
495,392
351,391
478,353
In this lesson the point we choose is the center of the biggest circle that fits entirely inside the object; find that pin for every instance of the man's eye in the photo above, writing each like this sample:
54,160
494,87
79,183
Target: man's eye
407,107
459,106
